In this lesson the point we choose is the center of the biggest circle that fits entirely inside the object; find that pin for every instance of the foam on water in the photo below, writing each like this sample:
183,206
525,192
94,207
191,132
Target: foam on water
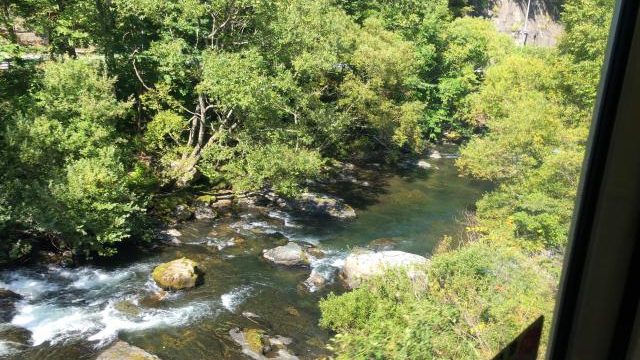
235,297
111,321
329,264
62,304
29,287
48,322
285,217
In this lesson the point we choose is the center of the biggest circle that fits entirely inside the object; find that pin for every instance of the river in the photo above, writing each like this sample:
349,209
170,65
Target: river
72,313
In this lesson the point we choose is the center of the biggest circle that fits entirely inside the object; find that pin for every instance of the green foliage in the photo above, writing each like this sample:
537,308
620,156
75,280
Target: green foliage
254,167
478,299
531,111
67,176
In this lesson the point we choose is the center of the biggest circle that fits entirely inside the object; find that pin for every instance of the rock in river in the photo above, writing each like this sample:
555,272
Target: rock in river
324,205
120,350
291,254
177,274
182,213
363,265
315,281
7,304
204,212
256,344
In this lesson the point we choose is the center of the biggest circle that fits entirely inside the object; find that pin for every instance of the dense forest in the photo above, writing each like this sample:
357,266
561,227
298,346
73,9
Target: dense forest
131,100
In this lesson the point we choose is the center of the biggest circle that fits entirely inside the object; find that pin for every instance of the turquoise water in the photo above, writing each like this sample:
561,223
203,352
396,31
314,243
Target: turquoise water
74,313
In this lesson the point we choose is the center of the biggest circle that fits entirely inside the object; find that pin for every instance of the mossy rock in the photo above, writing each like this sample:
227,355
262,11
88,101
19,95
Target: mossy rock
206,199
177,274
253,339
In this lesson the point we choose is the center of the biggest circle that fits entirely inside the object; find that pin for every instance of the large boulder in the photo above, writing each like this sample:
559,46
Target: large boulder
177,274
324,205
363,265
120,350
8,301
290,255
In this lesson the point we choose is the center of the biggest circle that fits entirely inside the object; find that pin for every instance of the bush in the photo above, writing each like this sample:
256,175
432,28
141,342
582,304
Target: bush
479,298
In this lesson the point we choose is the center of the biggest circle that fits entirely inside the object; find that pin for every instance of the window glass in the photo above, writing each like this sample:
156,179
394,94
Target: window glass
314,179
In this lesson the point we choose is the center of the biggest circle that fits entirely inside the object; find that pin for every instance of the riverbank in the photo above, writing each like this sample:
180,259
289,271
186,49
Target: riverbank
76,313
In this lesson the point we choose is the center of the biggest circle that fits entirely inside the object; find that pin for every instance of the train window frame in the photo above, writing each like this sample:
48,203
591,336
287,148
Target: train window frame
597,305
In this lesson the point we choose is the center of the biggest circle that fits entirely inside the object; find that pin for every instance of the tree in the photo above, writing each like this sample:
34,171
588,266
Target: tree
67,177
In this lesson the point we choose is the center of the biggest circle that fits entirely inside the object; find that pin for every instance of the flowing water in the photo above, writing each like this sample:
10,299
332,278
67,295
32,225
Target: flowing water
72,313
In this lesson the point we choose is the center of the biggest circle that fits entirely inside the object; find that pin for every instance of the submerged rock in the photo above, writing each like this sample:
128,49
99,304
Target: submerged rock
8,301
154,299
383,244
177,274
324,205
292,311
363,265
291,254
121,350
315,281
127,308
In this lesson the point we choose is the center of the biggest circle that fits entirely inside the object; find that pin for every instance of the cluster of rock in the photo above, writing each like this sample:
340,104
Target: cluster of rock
204,207
306,203
258,345
358,266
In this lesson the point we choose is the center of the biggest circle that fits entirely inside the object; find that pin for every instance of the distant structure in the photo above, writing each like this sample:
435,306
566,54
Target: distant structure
529,22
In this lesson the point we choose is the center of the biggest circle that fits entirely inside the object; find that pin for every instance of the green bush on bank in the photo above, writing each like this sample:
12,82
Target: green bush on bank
478,298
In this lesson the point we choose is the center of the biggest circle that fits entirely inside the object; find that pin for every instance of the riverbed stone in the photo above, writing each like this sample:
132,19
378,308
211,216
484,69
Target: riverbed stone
121,350
177,274
182,213
15,334
363,265
324,205
204,212
423,164
315,281
386,243
154,299
291,254
222,204
127,308
315,252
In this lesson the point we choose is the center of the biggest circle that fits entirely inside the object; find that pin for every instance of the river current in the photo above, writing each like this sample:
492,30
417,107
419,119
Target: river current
73,313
